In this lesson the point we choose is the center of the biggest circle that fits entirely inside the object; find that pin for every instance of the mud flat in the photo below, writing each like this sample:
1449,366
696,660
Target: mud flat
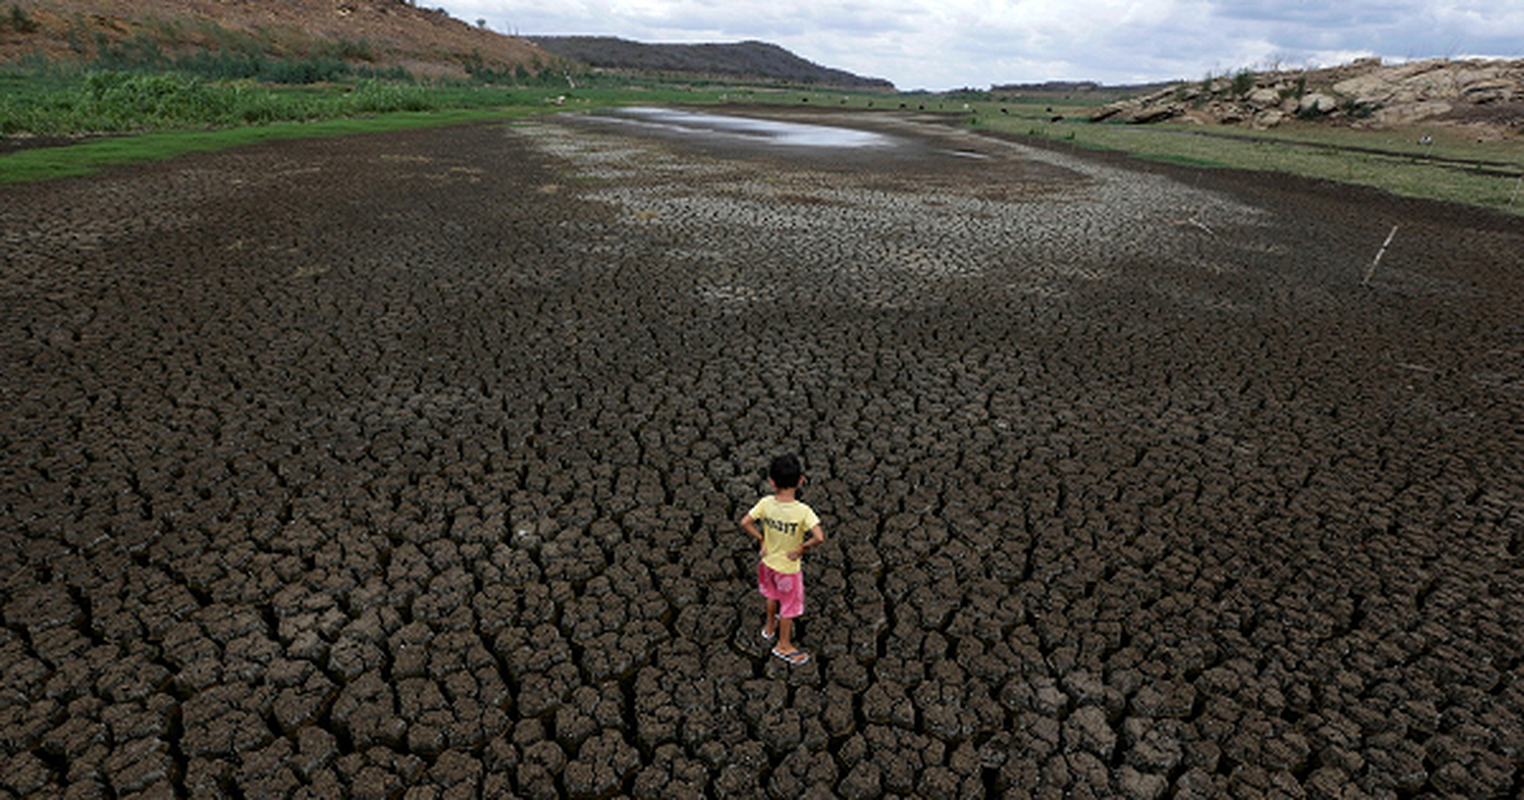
408,465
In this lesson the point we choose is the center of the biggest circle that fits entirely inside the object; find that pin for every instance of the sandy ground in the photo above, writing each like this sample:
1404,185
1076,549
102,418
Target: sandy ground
408,464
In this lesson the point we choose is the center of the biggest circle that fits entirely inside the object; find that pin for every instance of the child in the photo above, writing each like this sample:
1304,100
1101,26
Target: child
779,523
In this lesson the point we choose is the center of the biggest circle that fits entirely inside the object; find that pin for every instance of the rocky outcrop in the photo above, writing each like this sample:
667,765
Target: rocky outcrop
1487,93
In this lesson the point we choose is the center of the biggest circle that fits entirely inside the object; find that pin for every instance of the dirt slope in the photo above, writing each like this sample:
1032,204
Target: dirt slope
426,41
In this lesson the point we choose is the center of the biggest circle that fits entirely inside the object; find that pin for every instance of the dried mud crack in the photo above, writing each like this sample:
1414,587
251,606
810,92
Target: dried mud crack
408,465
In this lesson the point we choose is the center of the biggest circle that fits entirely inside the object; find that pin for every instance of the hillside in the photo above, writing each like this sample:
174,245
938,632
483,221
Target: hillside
385,33
380,33
1486,96
747,59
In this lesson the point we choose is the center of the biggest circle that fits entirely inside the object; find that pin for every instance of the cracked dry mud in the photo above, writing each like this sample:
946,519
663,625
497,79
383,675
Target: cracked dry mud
408,465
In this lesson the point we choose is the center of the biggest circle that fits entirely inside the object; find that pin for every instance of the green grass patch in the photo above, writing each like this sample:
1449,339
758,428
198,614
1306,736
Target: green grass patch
1450,166
91,156
119,101
1184,161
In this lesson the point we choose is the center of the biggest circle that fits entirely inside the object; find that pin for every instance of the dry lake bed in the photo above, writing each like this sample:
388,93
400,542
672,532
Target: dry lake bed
408,465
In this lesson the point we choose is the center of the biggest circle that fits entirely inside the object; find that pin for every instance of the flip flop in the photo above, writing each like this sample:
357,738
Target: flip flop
795,658
768,637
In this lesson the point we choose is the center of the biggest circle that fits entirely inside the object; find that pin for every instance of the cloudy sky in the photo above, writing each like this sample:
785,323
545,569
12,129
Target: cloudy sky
947,44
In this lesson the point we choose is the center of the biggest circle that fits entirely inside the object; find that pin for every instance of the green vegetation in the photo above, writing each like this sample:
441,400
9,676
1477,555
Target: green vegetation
219,101
115,102
17,21
1243,82
165,114
1454,167
241,56
89,156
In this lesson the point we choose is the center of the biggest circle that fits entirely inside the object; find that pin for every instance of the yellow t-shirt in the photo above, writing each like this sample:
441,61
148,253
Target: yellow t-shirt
784,526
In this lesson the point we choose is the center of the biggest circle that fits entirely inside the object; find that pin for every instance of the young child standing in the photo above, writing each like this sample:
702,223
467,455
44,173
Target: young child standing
779,523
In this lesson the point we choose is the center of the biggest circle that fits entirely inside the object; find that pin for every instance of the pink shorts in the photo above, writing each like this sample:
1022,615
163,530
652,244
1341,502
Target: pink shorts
787,589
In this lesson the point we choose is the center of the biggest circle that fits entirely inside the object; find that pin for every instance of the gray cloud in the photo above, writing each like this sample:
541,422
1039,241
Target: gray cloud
952,43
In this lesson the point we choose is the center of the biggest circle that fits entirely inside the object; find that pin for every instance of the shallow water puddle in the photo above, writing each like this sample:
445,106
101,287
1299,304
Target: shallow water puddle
712,126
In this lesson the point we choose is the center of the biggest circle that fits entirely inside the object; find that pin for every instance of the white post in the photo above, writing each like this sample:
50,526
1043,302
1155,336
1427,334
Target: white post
1371,270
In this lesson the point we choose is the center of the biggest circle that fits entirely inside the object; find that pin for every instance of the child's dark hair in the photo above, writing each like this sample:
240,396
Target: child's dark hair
785,471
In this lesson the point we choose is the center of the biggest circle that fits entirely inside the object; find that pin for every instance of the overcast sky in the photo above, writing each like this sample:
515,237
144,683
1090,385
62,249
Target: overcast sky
948,44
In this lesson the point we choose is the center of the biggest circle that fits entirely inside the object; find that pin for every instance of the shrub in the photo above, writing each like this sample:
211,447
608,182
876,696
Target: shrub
305,71
139,52
1243,83
19,22
76,34
221,65
353,50
1297,89
397,73
376,97
125,100
1355,109
228,66
1311,113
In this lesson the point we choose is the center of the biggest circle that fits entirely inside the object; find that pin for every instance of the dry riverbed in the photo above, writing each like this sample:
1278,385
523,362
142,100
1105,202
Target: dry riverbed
410,464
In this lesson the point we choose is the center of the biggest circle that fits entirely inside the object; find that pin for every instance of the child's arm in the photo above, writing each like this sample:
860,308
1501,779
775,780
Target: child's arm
750,526
817,538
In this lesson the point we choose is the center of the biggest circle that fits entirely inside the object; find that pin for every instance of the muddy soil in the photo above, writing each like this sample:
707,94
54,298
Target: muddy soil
409,464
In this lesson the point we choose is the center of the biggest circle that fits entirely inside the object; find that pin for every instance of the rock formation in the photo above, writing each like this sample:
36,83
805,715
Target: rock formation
1488,94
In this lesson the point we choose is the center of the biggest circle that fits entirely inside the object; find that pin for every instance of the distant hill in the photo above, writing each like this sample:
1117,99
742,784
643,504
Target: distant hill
1075,87
749,59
